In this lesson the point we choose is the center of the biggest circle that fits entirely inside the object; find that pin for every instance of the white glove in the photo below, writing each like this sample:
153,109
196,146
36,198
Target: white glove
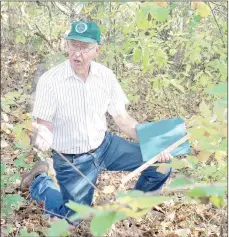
43,137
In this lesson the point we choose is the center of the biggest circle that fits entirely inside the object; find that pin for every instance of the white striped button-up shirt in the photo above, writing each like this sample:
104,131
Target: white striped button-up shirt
77,109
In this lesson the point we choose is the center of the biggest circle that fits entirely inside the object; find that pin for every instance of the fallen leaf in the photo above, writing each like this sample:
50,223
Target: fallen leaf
109,189
5,117
4,144
171,216
29,159
162,168
183,232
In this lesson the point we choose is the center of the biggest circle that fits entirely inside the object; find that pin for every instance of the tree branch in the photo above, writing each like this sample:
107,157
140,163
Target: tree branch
39,33
62,8
216,23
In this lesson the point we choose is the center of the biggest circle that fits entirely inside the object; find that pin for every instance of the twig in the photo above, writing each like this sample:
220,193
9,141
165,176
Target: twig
217,24
50,212
218,5
176,108
61,8
39,33
166,98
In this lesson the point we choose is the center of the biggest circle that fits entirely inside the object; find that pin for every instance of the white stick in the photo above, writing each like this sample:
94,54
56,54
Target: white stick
153,160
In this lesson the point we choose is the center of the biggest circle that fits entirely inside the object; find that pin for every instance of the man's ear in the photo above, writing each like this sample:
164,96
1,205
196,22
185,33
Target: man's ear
98,48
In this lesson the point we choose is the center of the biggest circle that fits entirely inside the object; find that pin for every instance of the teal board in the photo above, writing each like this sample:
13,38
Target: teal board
154,137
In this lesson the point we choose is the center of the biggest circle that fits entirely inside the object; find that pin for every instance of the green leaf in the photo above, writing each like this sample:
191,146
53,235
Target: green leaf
177,164
14,177
207,191
204,80
137,54
219,112
180,181
10,228
3,168
196,132
141,19
176,84
132,193
142,202
103,221
223,145
218,201
21,136
25,233
195,20
20,161
148,202
158,13
204,109
10,202
172,52
59,228
83,211
193,161
13,94
161,58
220,89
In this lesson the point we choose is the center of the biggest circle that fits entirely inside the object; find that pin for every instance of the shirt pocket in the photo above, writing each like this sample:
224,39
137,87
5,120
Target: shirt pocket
99,101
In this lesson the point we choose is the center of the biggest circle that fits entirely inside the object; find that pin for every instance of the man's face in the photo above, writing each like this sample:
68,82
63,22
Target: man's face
81,54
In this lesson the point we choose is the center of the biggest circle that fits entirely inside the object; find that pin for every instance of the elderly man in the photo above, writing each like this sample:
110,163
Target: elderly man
71,102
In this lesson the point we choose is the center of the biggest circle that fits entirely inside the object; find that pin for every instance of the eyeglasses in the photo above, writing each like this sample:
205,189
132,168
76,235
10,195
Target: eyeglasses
76,48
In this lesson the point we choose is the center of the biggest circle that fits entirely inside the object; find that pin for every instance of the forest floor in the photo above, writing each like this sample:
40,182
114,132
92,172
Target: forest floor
179,217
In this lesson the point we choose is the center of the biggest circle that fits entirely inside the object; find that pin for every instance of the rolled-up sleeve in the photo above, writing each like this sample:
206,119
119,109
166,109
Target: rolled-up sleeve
118,99
45,103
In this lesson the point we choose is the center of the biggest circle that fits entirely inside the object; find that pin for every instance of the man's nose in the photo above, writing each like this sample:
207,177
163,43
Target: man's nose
78,53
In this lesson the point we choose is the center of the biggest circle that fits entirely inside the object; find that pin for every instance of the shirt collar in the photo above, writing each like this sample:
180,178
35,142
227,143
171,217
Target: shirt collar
70,72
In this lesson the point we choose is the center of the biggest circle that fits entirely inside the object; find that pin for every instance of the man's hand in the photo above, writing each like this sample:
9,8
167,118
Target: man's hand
43,137
164,157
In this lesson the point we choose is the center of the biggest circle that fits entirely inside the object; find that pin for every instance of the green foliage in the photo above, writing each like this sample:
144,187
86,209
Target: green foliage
180,181
133,204
20,161
103,222
137,54
176,49
11,202
207,191
25,233
59,228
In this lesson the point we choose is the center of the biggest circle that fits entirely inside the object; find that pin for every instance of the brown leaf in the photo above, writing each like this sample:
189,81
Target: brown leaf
171,216
204,155
206,134
29,159
172,235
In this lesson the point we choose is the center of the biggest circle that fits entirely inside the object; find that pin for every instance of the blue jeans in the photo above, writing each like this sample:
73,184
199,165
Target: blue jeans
114,154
